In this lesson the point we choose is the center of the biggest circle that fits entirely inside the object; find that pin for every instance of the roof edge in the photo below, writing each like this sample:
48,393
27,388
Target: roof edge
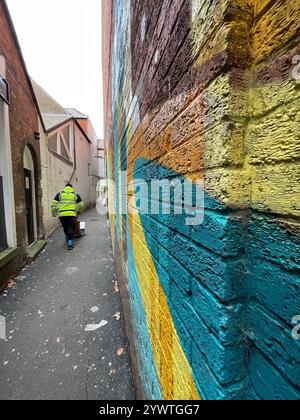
82,131
57,126
16,40
50,96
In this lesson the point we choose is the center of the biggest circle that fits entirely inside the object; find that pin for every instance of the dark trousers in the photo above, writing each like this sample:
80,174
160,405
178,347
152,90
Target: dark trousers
68,223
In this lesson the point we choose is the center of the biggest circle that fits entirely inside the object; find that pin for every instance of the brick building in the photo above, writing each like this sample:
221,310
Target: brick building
68,154
20,170
96,149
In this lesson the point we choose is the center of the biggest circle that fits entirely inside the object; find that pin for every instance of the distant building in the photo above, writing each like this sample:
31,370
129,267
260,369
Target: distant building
101,156
97,150
68,146
20,168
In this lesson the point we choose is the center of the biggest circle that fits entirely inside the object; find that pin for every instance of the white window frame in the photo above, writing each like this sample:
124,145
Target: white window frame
60,138
6,169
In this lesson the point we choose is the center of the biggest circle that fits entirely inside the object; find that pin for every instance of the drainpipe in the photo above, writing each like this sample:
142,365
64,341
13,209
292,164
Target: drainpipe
75,160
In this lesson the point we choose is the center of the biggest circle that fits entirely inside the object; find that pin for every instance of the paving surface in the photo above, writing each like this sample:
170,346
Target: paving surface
48,354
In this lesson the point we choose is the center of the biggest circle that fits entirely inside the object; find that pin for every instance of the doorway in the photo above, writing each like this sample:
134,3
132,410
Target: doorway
3,237
30,196
29,206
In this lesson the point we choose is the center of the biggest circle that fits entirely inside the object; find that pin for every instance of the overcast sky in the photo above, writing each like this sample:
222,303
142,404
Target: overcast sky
61,44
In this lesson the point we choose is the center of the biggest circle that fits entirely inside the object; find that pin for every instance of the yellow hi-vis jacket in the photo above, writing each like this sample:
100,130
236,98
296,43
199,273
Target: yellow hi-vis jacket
67,204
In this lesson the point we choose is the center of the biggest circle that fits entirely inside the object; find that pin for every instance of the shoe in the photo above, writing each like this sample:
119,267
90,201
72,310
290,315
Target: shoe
70,245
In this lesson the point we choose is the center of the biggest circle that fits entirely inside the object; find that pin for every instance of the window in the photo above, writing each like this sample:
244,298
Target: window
4,92
7,203
3,234
66,135
61,143
52,143
64,151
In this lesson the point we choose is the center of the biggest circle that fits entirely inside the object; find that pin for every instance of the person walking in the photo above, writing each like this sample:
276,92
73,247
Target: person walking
67,205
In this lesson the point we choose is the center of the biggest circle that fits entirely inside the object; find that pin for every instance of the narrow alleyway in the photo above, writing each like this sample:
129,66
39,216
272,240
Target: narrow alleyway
48,353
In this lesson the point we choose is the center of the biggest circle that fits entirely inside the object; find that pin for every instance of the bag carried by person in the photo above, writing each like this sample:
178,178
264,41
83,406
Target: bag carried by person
77,228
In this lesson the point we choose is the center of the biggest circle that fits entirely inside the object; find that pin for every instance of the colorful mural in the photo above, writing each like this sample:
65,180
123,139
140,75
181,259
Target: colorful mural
201,90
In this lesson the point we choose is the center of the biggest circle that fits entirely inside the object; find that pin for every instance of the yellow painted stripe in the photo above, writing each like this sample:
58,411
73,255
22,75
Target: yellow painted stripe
173,368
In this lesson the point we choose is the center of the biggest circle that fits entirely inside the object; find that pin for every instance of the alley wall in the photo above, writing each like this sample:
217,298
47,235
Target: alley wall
207,90
21,132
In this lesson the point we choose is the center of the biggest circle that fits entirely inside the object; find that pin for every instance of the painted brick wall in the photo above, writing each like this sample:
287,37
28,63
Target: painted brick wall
207,90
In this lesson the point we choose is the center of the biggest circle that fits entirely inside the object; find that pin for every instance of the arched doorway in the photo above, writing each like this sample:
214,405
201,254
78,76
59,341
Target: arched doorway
30,194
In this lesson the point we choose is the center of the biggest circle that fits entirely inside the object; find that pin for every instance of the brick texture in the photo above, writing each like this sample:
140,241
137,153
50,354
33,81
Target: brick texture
23,124
205,90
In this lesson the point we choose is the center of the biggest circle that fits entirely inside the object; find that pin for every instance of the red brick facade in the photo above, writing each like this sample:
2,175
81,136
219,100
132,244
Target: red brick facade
23,116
